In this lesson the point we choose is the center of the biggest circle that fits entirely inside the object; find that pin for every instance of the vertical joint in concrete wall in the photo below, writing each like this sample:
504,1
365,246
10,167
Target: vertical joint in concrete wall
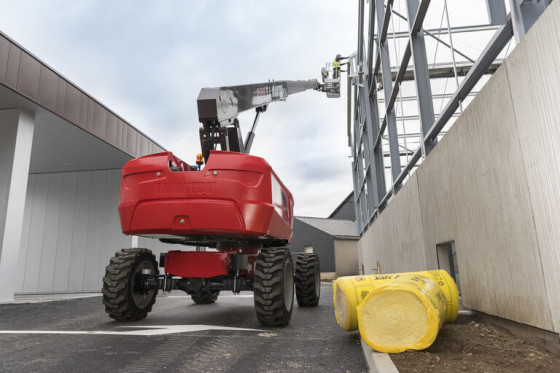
15,155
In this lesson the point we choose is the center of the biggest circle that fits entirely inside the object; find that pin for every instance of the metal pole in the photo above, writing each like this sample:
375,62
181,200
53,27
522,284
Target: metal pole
387,87
372,123
489,54
416,13
496,11
524,14
251,135
452,51
371,155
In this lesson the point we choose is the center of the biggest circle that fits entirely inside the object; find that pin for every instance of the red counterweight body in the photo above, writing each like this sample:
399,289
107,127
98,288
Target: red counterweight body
237,198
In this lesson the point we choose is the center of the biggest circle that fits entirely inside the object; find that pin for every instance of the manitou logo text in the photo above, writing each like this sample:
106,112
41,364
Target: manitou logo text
166,189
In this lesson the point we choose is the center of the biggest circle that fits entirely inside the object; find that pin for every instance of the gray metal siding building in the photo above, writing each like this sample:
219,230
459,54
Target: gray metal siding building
346,210
322,242
333,240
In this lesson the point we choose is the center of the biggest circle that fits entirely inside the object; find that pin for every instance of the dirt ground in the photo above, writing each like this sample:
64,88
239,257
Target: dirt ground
473,345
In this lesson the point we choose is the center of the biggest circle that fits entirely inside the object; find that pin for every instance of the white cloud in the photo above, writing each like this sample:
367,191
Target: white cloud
147,61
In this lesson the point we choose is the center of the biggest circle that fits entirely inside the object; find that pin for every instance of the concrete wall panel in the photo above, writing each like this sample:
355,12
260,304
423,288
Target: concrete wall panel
486,199
396,239
439,210
535,91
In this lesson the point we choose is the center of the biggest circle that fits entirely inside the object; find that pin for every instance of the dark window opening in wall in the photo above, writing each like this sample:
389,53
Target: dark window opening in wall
447,260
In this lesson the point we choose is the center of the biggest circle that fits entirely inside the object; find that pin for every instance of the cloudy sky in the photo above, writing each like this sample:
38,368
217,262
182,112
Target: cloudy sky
148,60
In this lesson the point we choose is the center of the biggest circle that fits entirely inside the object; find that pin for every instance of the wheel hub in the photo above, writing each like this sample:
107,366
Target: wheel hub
140,295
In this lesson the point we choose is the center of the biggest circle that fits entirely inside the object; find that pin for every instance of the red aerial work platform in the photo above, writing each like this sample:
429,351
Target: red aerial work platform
236,206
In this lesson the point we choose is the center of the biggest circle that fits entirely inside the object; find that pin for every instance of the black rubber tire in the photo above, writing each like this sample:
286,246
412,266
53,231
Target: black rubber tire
204,297
122,301
308,280
274,287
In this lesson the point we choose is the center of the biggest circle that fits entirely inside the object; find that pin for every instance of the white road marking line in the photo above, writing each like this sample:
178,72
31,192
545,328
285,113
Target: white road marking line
147,330
221,296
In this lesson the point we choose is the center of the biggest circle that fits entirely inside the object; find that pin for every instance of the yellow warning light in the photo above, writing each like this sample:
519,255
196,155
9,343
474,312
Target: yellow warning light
199,159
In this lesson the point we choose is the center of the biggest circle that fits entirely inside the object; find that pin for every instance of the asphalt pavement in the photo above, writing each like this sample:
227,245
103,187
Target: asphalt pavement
177,336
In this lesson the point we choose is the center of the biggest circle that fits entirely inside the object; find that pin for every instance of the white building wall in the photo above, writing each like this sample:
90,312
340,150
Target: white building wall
346,257
71,229
492,187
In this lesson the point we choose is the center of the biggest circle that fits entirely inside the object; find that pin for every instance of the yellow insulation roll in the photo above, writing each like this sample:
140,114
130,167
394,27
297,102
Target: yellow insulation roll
350,291
403,314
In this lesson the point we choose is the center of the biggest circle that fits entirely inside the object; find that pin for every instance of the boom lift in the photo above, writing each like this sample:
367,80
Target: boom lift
236,205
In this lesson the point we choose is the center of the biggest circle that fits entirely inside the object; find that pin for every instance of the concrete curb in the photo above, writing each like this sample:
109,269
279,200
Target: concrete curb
378,362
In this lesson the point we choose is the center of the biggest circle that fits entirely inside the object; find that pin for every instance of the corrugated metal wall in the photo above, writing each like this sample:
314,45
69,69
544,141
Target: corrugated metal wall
71,229
323,244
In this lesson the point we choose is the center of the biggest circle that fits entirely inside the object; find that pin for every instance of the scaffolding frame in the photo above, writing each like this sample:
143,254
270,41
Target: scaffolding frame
370,66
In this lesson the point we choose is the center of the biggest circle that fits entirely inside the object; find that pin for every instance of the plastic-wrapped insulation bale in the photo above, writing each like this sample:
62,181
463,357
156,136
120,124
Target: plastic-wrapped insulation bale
350,291
406,313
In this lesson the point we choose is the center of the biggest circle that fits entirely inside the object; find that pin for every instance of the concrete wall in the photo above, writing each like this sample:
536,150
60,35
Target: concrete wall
491,186
346,257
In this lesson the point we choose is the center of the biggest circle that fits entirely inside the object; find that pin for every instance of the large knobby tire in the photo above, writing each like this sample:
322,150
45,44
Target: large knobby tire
205,297
274,287
308,280
122,299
